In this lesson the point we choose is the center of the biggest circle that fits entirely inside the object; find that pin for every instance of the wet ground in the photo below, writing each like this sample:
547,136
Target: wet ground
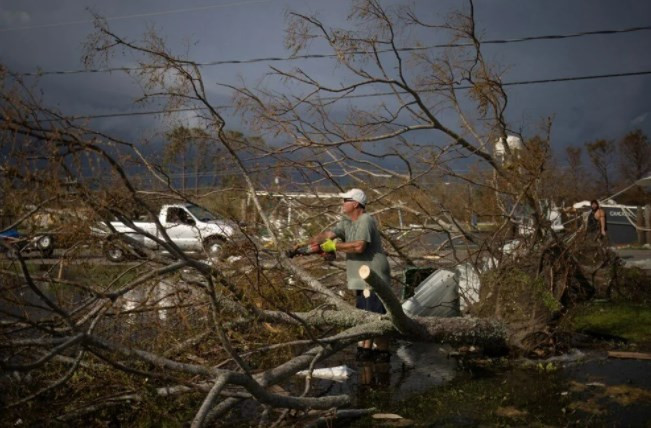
413,368
426,386
615,392
636,257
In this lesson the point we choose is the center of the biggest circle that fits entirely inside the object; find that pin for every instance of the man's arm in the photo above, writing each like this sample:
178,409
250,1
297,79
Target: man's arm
319,238
354,247
361,237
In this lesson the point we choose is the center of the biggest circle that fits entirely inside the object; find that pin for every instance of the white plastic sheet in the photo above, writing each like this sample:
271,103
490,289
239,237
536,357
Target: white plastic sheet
437,295
338,373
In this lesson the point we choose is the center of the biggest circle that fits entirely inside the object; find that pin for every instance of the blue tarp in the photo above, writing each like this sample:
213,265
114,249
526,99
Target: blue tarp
11,233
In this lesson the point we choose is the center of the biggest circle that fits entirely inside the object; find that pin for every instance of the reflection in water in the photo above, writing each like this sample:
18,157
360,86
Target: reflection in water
413,369
374,374
421,366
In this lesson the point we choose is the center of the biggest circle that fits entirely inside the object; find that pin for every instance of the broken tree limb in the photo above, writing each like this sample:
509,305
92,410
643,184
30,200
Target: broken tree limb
401,321
200,417
629,355
301,274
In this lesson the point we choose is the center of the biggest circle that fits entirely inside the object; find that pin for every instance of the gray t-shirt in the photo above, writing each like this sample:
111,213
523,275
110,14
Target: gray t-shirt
363,229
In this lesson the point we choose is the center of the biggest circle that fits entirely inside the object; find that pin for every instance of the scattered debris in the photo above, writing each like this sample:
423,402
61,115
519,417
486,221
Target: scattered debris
511,412
596,384
625,395
629,355
386,416
393,420
338,373
437,295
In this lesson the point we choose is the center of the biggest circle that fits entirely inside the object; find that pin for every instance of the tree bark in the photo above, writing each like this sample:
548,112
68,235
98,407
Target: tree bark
402,322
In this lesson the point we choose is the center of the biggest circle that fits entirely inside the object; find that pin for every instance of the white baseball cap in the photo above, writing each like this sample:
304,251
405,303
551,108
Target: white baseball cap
356,195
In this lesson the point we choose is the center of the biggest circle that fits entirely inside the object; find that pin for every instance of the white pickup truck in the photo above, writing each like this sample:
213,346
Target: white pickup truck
190,227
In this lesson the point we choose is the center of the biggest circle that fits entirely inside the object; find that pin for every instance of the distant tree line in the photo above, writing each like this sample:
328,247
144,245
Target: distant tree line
612,165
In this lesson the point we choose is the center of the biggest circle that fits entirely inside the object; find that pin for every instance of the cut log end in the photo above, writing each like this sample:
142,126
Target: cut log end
364,272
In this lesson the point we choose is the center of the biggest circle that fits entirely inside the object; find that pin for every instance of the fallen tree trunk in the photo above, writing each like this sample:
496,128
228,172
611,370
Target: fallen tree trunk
360,324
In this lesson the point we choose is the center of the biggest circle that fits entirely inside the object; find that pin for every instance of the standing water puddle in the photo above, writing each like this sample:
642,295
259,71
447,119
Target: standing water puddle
426,387
414,368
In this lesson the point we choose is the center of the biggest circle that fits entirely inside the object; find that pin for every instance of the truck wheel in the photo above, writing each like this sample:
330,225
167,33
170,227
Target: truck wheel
213,247
113,253
45,245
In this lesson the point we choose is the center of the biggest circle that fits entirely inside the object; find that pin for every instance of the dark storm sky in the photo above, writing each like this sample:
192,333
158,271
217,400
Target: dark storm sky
49,36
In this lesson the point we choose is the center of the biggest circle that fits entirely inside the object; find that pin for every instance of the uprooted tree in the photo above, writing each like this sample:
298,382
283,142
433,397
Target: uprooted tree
173,330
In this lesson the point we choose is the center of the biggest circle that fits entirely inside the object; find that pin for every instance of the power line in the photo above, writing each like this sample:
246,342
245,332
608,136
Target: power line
517,83
136,15
380,94
569,35
135,113
321,56
575,78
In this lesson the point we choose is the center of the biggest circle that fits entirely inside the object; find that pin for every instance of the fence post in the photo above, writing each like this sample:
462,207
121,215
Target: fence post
639,226
243,216
647,222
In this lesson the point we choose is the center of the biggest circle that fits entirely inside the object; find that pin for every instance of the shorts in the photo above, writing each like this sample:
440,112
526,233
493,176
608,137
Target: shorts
371,303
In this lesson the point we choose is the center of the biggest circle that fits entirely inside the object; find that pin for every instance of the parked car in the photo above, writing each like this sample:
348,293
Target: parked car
189,226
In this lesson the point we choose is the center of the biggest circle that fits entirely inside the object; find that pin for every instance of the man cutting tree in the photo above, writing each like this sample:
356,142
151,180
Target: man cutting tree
362,243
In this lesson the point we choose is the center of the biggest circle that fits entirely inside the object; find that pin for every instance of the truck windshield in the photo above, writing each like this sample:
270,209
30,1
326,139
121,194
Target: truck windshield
200,213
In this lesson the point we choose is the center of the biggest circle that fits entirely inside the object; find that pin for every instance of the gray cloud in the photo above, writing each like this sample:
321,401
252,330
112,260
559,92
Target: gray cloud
582,110
13,18
640,119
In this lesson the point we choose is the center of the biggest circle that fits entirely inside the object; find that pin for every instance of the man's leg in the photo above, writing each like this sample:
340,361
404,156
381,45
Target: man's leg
381,349
364,347
381,343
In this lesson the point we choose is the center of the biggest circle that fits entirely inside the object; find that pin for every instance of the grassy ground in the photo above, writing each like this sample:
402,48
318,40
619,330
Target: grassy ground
628,320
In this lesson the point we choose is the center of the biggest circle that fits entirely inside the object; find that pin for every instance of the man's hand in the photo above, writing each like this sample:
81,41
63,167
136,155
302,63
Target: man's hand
328,246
